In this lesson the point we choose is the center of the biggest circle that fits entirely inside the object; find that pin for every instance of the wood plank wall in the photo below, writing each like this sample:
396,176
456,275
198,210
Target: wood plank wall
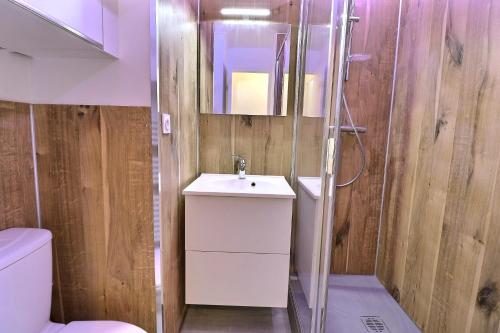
17,185
440,249
95,181
178,35
265,142
368,92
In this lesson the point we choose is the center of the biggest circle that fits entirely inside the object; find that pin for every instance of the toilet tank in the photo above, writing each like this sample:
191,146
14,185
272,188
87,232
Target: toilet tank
25,279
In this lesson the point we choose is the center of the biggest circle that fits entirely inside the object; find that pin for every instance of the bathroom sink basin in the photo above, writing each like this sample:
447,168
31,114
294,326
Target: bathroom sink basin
232,186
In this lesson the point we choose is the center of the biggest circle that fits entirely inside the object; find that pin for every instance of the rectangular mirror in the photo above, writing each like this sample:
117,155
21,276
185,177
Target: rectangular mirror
244,62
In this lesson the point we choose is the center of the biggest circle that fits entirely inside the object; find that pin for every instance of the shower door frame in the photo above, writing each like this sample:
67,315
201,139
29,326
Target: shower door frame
330,153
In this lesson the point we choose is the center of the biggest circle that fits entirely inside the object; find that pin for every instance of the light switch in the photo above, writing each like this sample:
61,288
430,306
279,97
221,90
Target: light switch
165,123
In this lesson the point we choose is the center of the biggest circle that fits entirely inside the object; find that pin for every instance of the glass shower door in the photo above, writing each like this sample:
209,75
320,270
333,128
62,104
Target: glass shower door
338,54
319,92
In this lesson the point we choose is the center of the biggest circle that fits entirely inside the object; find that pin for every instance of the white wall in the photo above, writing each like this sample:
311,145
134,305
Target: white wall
124,81
15,77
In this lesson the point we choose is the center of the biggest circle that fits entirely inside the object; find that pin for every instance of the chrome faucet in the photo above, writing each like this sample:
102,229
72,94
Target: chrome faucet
241,165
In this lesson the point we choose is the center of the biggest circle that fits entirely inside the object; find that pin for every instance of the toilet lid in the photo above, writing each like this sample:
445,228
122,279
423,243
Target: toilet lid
100,327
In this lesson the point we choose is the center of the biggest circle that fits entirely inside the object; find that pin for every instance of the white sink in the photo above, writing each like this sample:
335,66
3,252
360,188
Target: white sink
232,186
238,240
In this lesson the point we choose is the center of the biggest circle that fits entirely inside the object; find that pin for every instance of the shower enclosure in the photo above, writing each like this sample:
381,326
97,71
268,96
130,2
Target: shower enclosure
322,301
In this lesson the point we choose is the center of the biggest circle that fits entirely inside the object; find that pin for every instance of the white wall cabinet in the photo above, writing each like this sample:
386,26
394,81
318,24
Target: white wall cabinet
83,16
65,28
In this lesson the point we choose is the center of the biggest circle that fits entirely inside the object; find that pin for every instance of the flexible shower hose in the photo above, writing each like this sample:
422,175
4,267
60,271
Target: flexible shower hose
360,143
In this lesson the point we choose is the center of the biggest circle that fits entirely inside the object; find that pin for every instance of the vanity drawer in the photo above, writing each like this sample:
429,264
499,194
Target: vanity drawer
236,224
239,279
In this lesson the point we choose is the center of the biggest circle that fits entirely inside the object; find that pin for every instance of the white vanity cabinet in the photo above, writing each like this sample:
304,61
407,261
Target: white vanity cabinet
238,240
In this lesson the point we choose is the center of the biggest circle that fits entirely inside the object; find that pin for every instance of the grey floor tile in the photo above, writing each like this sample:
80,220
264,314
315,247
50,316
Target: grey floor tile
204,319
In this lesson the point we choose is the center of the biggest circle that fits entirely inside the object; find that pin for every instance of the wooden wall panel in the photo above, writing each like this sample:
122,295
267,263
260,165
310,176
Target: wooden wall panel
439,239
178,34
368,91
265,142
127,177
96,197
17,186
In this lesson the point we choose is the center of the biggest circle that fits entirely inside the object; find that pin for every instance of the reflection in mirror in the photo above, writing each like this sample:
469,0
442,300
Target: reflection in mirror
316,64
244,59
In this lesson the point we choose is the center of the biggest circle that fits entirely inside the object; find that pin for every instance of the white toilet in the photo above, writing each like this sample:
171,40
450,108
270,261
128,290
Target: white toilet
26,287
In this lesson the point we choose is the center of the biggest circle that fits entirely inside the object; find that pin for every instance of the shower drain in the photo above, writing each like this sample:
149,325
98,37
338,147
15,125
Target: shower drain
374,324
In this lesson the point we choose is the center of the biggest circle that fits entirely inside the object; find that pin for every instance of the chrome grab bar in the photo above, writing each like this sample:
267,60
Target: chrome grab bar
350,130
